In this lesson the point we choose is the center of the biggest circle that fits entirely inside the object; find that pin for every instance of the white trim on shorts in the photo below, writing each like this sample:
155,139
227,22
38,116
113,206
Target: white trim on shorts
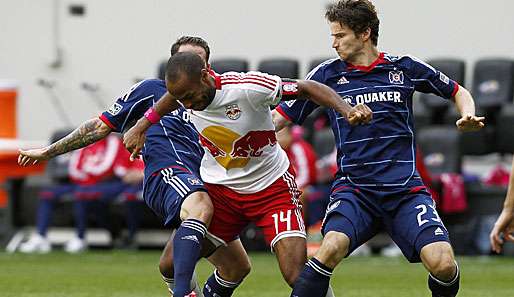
285,234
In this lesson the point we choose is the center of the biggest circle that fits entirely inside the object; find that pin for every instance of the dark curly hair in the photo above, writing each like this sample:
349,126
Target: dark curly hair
358,15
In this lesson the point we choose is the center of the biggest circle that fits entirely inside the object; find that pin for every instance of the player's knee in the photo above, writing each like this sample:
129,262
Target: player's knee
440,261
333,249
235,273
198,206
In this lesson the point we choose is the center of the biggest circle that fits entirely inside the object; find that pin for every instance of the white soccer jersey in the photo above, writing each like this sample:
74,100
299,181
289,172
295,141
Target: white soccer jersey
238,135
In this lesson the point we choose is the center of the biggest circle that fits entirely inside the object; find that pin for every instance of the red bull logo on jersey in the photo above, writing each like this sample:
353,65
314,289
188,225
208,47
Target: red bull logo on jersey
252,143
232,111
232,150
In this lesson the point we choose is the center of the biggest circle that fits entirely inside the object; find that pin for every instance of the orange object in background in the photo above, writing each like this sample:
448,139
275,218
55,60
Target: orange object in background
8,92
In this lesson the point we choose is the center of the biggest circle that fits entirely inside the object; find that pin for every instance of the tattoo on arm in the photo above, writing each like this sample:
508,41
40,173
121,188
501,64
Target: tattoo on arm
87,133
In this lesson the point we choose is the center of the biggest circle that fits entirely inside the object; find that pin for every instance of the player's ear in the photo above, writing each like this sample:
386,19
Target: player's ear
205,75
366,35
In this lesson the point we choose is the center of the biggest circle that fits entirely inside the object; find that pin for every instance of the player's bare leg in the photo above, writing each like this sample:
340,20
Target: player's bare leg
196,213
291,253
439,260
315,277
232,266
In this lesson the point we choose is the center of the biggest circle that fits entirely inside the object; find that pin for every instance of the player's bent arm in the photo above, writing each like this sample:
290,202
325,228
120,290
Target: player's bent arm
323,95
279,120
504,226
466,106
464,102
135,137
87,133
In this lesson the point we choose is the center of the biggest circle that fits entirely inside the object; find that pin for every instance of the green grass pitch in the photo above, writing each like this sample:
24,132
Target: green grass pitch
131,274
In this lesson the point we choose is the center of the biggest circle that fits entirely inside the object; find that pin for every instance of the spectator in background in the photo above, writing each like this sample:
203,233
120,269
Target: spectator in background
99,174
302,157
504,226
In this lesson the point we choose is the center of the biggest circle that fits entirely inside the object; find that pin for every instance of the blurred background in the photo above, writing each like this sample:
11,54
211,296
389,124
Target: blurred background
65,61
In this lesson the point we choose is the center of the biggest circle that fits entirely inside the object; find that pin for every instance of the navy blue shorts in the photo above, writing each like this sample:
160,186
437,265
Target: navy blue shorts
408,215
165,190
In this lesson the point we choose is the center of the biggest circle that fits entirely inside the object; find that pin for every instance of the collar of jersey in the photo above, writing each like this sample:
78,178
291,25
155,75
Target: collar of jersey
217,79
379,60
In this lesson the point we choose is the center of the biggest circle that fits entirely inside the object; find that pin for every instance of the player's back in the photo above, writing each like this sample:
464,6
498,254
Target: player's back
171,142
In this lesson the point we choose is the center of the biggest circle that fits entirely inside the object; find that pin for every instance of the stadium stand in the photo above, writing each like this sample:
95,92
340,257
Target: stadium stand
282,67
231,64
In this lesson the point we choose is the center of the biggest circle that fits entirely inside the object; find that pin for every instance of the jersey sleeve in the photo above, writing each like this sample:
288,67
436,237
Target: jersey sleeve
132,105
297,110
427,79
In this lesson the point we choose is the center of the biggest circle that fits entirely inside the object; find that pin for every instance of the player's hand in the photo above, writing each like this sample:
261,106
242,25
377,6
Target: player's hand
470,123
134,139
360,114
32,157
503,226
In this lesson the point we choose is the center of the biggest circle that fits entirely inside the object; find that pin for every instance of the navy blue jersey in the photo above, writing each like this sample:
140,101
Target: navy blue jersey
172,143
382,153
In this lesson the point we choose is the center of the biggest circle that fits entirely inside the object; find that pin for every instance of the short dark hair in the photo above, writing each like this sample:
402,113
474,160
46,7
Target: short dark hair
358,15
192,40
184,63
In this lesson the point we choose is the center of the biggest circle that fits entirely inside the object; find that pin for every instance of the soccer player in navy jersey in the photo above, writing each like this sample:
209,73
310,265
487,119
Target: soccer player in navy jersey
377,185
172,187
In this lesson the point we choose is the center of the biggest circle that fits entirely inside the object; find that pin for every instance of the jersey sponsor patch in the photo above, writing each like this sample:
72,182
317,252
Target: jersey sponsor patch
396,77
232,111
115,109
444,78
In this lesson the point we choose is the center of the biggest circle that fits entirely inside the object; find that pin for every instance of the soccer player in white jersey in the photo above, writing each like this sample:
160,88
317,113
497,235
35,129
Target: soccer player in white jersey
247,174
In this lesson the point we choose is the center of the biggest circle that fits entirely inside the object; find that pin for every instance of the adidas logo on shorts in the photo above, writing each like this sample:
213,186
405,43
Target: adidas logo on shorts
438,231
191,237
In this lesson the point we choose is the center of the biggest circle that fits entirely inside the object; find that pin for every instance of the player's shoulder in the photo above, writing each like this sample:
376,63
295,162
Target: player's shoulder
252,80
150,84
147,88
325,68
406,61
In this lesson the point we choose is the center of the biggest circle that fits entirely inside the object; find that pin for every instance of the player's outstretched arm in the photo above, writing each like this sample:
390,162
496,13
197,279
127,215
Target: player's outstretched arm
87,133
323,95
466,106
134,138
504,225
